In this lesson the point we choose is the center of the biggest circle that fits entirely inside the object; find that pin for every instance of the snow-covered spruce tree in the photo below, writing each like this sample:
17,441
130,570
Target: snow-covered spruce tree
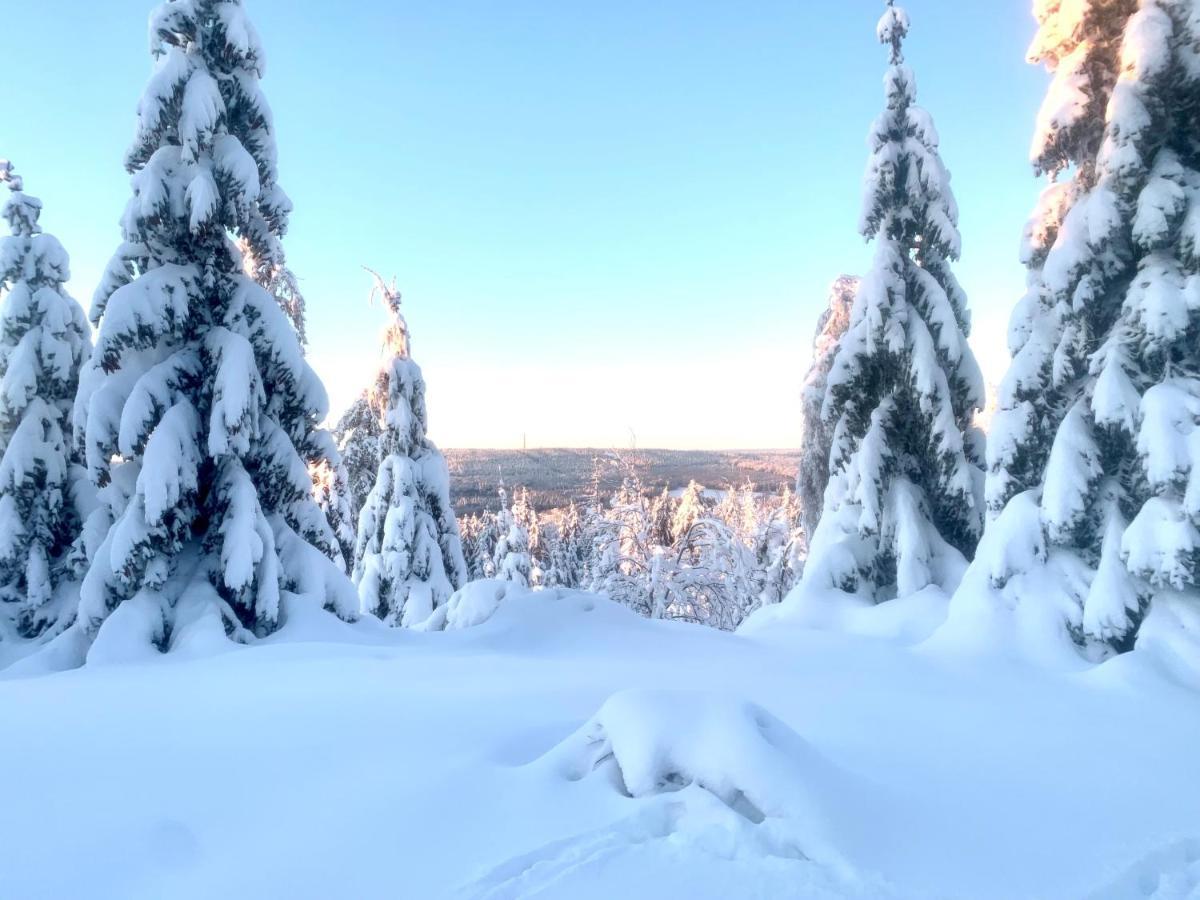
691,508
468,531
331,490
511,560
901,509
1121,486
778,548
480,534
815,436
198,396
44,340
318,448
622,551
662,516
526,518
359,436
281,283
569,551
409,557
1057,323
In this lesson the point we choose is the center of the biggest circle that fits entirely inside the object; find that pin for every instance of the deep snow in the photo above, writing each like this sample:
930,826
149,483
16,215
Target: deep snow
564,747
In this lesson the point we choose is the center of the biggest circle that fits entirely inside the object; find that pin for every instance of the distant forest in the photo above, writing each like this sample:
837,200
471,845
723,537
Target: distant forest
555,477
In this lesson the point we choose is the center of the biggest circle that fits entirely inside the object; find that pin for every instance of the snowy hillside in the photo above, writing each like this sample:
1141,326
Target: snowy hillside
567,748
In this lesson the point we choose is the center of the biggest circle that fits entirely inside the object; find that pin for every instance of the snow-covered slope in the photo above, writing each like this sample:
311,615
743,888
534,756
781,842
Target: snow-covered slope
563,747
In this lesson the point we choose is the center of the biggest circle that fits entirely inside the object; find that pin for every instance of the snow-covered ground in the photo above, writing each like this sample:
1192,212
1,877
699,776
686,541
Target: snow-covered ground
567,748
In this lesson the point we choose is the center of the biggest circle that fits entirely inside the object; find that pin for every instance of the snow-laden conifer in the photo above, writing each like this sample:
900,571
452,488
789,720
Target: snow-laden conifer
901,509
44,340
778,547
691,508
1097,435
526,518
569,551
479,544
281,283
409,556
197,400
662,516
816,437
1123,480
359,438
1063,312
331,490
511,558
319,447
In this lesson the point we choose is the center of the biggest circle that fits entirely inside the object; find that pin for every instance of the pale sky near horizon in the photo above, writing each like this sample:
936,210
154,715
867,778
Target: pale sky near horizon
603,217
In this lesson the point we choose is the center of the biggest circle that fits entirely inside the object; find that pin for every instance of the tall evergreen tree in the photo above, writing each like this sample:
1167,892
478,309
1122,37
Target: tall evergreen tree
198,397
901,510
1056,324
815,436
1120,286
409,557
44,340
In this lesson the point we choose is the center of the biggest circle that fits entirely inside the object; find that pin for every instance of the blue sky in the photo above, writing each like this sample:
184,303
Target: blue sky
603,216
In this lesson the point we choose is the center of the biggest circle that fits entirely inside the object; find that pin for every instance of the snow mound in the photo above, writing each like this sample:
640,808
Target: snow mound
657,741
721,788
473,604
479,601
905,620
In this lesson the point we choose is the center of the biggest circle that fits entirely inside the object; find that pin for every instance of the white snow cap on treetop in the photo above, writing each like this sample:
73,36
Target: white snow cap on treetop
893,29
